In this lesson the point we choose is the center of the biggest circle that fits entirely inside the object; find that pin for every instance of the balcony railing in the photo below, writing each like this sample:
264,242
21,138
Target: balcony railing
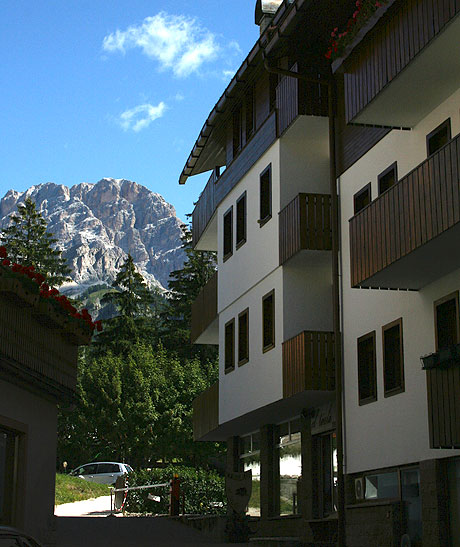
204,309
392,240
299,98
373,94
217,188
443,387
305,224
308,363
206,412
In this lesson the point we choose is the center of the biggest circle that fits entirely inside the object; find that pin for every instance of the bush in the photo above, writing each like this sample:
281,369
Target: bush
70,489
204,491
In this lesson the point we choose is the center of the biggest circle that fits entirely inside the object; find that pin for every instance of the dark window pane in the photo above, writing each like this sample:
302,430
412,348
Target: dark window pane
382,485
367,385
362,198
392,358
265,194
446,323
268,321
241,220
230,345
388,178
228,233
439,137
243,337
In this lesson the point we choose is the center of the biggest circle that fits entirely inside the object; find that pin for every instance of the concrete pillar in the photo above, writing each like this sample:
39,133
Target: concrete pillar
233,455
269,473
435,503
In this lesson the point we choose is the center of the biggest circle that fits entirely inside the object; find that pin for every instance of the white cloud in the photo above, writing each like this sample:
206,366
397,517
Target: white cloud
177,42
141,116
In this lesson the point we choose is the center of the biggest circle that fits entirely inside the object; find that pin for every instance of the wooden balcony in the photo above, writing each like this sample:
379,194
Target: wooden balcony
206,412
443,389
408,237
308,363
204,227
204,314
405,66
305,224
299,98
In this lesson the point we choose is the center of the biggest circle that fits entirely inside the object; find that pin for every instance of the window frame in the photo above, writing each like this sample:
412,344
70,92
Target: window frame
372,398
231,367
401,388
384,173
446,123
452,296
359,193
245,359
272,344
263,221
242,241
226,256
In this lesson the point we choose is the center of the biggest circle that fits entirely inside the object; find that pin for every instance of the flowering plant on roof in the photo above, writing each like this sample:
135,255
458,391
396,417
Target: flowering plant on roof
341,39
35,282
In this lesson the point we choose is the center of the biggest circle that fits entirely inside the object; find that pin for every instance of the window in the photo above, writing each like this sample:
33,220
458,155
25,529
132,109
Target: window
8,474
250,460
393,362
438,137
268,321
241,221
367,380
243,337
237,131
446,316
265,195
250,111
382,485
388,178
228,234
230,346
362,198
288,446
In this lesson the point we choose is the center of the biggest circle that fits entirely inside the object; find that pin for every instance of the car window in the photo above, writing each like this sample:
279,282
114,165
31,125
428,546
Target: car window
108,468
90,469
129,468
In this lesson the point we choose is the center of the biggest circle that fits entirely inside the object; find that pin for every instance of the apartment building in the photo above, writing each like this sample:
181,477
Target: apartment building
291,137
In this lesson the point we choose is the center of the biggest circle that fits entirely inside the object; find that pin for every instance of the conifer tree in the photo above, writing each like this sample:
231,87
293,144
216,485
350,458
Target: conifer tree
30,244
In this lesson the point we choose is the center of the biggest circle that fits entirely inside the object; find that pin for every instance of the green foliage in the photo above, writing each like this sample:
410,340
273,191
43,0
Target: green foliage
204,491
70,489
30,244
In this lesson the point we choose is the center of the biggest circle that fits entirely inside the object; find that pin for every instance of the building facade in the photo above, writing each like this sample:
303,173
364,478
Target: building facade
367,145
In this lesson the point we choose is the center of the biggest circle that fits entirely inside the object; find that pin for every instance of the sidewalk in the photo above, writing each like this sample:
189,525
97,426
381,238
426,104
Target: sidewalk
96,507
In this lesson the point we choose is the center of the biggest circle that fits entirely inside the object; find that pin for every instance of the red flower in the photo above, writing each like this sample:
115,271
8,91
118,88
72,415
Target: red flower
98,325
3,253
6,262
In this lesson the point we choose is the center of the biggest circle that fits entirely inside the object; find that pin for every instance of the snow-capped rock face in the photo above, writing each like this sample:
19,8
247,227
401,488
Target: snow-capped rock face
97,225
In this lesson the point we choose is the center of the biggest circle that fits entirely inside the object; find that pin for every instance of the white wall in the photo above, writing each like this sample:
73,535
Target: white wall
394,430
40,417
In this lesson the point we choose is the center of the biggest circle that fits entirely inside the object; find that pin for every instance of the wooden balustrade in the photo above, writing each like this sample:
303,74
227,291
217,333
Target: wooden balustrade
308,363
421,206
305,224
204,309
206,412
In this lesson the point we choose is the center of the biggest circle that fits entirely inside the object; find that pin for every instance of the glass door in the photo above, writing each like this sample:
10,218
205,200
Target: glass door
326,464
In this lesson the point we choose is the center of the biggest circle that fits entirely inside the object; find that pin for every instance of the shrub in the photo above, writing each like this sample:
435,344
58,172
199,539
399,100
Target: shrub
204,491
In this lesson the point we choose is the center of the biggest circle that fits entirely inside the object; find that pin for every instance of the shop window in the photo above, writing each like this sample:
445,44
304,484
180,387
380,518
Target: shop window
265,195
393,362
382,486
230,346
268,321
250,460
290,466
250,111
438,137
446,314
362,198
367,379
228,234
243,337
388,178
8,469
241,221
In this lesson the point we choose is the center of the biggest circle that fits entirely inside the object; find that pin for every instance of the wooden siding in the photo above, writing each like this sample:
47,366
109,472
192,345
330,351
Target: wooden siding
421,206
305,223
217,188
299,98
443,390
204,309
206,412
34,355
391,46
308,363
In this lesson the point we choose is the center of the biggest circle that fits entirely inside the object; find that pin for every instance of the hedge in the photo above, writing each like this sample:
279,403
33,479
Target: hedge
204,491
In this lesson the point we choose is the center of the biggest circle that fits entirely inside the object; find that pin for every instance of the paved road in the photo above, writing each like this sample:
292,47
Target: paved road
128,532
96,507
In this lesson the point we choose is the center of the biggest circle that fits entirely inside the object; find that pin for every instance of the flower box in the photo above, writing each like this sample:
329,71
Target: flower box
46,314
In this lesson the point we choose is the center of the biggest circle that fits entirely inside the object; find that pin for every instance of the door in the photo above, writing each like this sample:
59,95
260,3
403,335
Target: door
9,444
326,466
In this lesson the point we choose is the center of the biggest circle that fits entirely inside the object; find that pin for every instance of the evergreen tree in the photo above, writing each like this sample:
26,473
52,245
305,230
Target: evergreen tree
29,243
184,286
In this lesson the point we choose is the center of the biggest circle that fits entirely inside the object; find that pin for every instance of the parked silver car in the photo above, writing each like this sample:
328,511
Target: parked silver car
11,537
101,472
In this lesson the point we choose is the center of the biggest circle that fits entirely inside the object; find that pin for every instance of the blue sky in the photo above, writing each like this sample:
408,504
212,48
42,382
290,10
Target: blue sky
92,88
